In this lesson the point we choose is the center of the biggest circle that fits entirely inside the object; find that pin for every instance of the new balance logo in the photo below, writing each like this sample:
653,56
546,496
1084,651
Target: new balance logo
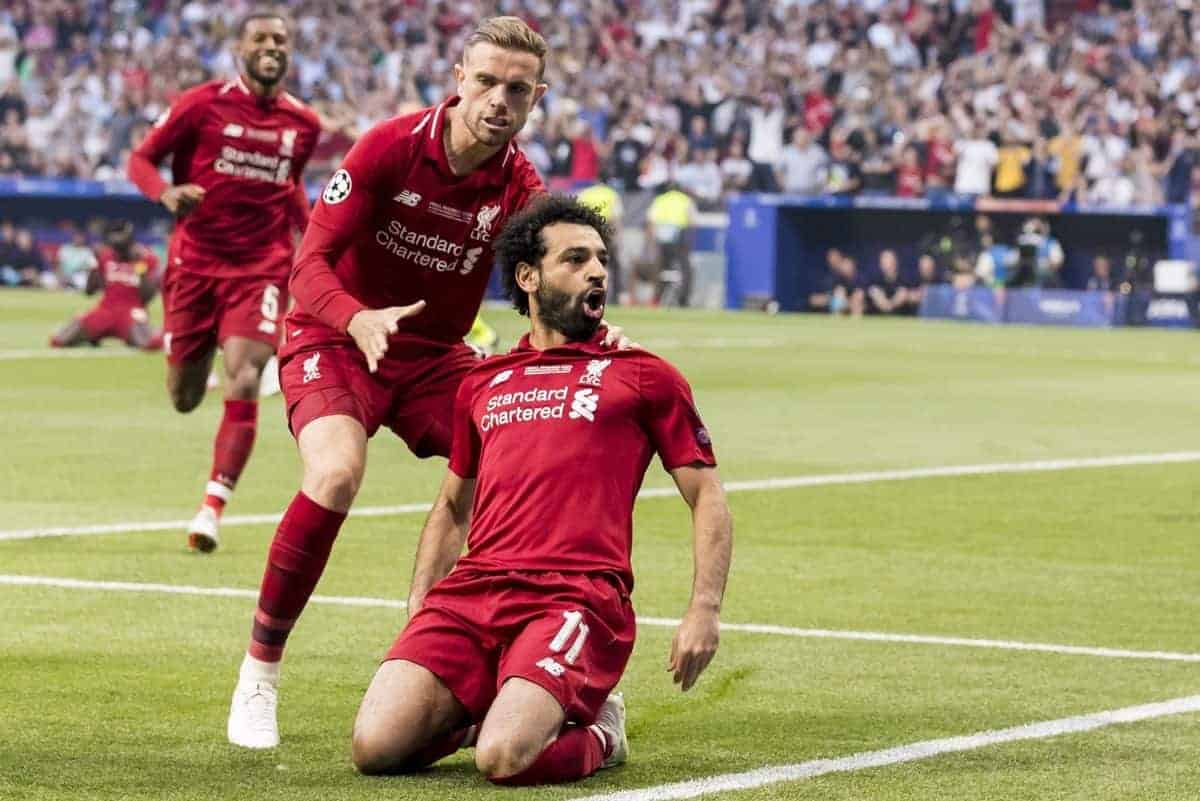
408,198
234,130
550,666
584,405
500,378
311,371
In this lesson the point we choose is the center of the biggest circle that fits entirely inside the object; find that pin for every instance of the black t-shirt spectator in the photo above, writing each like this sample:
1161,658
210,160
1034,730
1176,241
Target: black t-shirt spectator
890,288
627,155
845,177
561,153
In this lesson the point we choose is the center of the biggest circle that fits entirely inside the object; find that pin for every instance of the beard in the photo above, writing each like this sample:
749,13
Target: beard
563,312
252,70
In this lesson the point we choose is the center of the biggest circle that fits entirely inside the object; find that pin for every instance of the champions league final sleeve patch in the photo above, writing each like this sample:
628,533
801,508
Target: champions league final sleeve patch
338,188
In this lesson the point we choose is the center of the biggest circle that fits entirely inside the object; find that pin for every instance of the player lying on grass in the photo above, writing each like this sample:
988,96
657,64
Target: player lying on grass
128,274
516,646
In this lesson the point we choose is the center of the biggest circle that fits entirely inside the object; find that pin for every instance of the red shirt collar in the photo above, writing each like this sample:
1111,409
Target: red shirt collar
594,345
493,172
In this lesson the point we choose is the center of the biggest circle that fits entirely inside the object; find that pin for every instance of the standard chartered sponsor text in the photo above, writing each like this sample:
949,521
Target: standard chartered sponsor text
256,166
419,248
498,415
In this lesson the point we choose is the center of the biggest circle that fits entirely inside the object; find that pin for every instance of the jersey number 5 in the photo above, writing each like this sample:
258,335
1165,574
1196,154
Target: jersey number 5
270,303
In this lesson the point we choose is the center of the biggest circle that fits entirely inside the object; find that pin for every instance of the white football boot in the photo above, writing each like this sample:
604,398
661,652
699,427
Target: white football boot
202,533
252,721
610,722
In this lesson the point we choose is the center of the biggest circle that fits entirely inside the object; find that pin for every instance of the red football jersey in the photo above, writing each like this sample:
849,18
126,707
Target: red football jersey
559,441
249,155
395,225
122,279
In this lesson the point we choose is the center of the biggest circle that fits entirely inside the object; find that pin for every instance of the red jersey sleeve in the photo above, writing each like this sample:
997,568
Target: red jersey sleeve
171,132
347,201
464,446
670,417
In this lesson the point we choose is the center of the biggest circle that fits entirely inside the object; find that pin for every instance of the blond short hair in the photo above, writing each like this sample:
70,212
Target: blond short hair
510,33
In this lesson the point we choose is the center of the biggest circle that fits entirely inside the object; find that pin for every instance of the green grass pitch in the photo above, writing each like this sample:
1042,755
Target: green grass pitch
117,695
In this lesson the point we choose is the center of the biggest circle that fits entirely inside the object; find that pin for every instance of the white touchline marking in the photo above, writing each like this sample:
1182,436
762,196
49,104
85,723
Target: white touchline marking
789,482
69,353
732,782
664,622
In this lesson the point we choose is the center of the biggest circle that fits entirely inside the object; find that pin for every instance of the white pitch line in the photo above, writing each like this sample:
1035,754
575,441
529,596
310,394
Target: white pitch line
926,749
68,353
789,482
663,622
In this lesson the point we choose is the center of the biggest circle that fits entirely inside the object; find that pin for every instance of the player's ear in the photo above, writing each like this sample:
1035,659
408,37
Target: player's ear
460,76
528,277
538,91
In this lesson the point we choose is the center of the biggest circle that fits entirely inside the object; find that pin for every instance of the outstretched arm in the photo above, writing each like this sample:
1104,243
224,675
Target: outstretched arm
442,537
696,640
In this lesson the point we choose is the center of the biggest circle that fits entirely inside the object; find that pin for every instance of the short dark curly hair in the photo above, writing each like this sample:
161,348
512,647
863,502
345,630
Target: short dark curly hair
521,239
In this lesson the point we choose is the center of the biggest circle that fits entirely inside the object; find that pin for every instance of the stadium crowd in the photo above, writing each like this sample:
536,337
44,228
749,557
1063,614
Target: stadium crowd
1098,103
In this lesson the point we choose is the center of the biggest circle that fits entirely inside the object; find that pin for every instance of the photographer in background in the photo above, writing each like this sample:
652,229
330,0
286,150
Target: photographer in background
1039,257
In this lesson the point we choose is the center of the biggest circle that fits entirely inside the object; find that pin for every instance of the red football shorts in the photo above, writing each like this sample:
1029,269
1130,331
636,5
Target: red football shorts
570,633
113,321
412,392
200,311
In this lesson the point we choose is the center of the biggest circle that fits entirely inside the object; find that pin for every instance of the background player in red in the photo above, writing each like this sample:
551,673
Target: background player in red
238,152
390,275
528,633
128,273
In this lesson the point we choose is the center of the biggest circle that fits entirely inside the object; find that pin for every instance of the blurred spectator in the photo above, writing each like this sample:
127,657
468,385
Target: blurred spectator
669,225
848,296
947,254
804,165
75,259
844,175
910,179
736,169
1012,159
1102,278
21,262
700,177
1066,153
993,257
1137,264
1039,257
886,294
1040,177
838,291
977,156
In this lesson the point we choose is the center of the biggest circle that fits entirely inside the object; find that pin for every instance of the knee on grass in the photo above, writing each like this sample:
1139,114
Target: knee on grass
501,759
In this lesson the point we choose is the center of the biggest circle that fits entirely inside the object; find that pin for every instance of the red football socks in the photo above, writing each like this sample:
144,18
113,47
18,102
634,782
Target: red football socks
235,440
576,754
294,566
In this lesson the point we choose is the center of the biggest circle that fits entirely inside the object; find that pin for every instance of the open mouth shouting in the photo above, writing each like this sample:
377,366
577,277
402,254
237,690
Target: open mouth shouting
593,302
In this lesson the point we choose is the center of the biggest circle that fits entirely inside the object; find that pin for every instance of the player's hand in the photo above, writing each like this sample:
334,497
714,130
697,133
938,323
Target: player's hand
615,337
181,199
372,327
694,646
